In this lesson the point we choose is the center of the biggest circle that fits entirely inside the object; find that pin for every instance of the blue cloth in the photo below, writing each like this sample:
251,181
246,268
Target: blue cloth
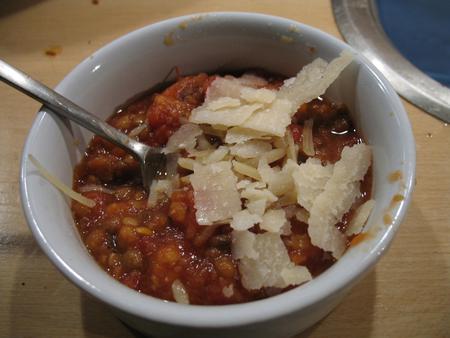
420,29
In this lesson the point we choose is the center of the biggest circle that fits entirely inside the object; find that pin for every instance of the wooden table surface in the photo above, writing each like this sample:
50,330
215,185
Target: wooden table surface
407,295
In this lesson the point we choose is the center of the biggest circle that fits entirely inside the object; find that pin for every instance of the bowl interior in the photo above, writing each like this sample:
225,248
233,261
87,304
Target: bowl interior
208,43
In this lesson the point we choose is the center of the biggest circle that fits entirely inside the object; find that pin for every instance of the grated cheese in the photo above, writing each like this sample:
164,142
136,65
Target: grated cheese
60,185
246,170
241,135
179,292
250,149
308,141
360,217
228,291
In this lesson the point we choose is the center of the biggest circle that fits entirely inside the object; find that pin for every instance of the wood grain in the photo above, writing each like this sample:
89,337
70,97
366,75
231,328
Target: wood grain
408,294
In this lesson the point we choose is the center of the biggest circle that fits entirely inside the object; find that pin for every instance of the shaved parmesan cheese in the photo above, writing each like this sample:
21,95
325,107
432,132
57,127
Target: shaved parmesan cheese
327,210
272,266
228,291
310,179
262,95
136,131
217,155
184,138
292,148
360,218
158,190
274,155
209,130
186,163
257,207
226,117
251,80
200,154
279,181
203,143
241,135
94,187
215,194
308,141
223,102
253,194
242,184
227,86
313,80
291,210
251,149
242,245
246,170
273,220
244,220
179,292
60,185
287,199
272,120
336,199
353,164
302,215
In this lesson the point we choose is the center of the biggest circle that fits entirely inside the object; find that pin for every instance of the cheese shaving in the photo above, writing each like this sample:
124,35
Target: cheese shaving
179,292
184,138
308,141
273,220
337,197
215,194
257,207
57,183
228,291
226,117
136,131
264,262
313,80
217,155
262,95
244,220
224,102
246,170
241,135
360,217
250,149
273,120
186,163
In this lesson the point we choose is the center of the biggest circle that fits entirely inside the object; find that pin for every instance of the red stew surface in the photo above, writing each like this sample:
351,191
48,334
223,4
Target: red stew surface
148,249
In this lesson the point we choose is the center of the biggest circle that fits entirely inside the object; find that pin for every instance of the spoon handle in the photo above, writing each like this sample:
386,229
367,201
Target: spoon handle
62,106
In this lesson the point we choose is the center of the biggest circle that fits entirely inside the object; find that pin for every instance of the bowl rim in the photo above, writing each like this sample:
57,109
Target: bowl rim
236,314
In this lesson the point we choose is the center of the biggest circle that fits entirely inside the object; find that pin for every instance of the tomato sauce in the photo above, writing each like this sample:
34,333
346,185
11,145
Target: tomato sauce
147,249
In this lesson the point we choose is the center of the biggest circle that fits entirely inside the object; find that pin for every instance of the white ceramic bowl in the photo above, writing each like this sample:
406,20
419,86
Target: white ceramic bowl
200,43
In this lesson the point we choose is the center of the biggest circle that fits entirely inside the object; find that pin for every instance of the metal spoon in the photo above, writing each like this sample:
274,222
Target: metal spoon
152,161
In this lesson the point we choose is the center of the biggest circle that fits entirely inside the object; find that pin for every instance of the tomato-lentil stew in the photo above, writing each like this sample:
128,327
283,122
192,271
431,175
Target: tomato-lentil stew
148,249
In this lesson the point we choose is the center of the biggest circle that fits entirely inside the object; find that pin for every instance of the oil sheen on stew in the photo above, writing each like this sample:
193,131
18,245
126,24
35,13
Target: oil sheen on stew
148,249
